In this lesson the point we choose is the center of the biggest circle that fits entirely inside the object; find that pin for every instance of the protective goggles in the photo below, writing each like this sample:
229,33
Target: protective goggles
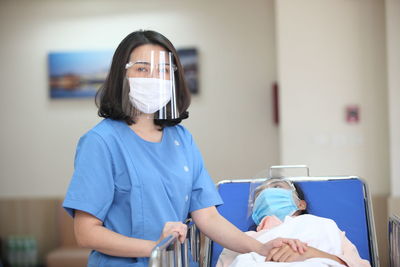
145,69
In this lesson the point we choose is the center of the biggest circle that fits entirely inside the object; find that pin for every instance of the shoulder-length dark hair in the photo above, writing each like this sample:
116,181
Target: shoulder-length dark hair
112,99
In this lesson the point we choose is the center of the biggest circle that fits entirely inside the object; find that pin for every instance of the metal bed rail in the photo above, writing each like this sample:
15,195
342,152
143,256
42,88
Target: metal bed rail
394,241
171,253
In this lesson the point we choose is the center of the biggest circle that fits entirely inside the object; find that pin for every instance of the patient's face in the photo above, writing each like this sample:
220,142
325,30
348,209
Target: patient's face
283,184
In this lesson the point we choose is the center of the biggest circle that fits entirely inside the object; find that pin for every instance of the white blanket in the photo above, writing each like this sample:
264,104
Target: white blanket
317,232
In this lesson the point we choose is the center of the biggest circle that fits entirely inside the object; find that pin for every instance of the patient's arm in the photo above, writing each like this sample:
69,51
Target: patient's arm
286,254
350,254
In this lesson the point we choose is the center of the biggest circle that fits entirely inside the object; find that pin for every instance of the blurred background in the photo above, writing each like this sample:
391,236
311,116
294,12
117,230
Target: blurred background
335,65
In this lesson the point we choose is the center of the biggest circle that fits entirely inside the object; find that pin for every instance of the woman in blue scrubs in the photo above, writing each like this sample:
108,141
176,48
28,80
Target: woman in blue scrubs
138,173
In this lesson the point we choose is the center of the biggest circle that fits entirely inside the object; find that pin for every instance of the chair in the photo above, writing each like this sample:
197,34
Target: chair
68,253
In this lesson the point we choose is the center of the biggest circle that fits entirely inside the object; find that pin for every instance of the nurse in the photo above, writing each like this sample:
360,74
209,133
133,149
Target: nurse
138,173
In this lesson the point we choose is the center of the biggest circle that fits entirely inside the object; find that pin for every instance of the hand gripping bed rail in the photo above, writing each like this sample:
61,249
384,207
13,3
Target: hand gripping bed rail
171,253
394,241
167,253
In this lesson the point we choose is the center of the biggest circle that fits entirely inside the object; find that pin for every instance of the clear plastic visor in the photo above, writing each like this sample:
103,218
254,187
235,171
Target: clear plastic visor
275,183
150,75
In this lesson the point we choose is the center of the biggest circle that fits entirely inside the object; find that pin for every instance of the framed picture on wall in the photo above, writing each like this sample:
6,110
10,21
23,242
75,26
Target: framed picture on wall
80,74
77,74
189,60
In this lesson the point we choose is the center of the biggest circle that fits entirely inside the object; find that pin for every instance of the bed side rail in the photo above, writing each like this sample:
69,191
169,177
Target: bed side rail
394,240
171,253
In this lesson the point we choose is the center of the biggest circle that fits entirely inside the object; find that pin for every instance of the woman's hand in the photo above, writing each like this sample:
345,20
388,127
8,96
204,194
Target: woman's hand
286,254
271,247
174,227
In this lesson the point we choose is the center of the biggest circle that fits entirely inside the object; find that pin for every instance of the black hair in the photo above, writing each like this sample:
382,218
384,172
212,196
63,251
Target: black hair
113,101
301,196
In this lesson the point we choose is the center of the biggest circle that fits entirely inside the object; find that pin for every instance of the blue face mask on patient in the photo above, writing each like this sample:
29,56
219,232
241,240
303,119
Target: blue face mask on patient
274,201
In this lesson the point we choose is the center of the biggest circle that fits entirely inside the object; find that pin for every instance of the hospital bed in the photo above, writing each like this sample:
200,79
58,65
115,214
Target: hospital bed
344,199
394,241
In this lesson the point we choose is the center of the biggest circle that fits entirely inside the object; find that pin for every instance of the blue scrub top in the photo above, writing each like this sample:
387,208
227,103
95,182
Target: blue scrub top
135,186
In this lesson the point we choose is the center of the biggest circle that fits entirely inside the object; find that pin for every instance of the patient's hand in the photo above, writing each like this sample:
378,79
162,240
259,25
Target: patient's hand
286,254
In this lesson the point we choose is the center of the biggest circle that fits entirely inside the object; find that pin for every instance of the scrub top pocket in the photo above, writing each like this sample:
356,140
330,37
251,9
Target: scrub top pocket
122,182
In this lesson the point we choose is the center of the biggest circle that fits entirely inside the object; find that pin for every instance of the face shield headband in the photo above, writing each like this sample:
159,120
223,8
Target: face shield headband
152,84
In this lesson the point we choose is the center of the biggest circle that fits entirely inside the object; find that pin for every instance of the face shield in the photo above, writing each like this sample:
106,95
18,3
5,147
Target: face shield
276,183
150,75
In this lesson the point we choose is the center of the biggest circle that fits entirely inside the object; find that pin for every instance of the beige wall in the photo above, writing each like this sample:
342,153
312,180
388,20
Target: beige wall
393,62
231,118
332,54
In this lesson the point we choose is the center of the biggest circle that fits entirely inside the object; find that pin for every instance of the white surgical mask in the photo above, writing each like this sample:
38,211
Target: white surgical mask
149,94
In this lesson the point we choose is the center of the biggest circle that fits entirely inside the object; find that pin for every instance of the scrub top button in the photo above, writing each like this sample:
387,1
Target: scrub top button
176,143
186,198
186,168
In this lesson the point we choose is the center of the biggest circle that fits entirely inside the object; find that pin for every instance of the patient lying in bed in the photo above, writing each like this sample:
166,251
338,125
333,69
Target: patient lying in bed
279,210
